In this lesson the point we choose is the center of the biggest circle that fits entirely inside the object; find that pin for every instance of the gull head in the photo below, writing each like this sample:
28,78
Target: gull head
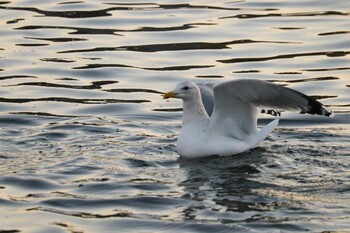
184,90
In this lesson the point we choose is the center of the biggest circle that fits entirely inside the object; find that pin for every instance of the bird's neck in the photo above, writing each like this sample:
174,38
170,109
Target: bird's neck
194,112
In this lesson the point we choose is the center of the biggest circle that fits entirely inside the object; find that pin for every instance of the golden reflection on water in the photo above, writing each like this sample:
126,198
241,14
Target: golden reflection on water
293,197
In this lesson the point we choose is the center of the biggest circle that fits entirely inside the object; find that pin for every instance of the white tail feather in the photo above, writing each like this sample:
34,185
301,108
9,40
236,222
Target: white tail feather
264,132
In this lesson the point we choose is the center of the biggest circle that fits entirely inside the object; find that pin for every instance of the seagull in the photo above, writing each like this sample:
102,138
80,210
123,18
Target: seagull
221,119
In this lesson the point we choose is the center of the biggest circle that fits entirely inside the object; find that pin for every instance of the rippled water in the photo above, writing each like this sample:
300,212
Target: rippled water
87,142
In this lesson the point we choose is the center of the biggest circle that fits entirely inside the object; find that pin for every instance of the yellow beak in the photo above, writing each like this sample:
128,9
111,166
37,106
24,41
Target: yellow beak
169,95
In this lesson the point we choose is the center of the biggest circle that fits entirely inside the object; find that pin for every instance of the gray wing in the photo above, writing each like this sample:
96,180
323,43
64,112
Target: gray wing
207,95
236,104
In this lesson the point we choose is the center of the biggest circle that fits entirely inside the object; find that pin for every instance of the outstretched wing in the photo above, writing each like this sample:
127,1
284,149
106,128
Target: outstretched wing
207,95
236,102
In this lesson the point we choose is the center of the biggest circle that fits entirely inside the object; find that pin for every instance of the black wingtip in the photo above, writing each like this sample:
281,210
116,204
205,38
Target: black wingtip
272,112
316,108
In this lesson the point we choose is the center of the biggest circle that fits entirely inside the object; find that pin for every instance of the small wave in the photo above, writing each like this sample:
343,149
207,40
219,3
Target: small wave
286,56
168,68
326,78
64,14
16,77
69,100
58,60
327,69
333,33
133,90
58,39
28,183
299,14
32,44
177,46
45,114
106,31
76,30
93,86
119,214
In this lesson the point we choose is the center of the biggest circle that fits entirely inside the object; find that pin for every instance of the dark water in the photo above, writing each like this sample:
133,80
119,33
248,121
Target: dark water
87,142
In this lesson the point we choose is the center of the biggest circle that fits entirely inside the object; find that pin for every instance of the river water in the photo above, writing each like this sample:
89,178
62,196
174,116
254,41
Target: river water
87,142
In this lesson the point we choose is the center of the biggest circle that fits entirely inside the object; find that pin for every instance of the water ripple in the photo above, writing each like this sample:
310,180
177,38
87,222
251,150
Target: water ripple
286,56
93,85
76,30
30,184
169,68
132,90
333,33
69,100
88,143
66,14
118,214
149,203
299,14
60,39
176,46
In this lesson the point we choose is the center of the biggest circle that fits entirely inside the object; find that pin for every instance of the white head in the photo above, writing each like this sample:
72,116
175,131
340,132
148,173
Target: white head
184,90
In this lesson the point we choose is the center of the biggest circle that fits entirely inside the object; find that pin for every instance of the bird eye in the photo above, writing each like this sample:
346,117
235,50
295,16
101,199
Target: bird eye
185,88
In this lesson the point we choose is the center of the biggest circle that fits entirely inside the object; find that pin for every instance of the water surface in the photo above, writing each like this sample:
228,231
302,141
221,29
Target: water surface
87,142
